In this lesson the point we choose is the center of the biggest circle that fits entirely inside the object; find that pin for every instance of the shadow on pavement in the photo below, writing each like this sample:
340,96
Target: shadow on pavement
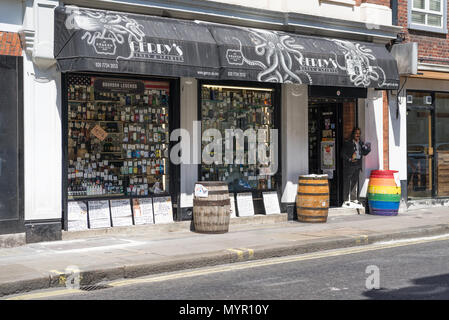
428,288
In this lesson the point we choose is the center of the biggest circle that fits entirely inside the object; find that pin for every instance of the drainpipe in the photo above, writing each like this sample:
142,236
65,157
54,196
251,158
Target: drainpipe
394,12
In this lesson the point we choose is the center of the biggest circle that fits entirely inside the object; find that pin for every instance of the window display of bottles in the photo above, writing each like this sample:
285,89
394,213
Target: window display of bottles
224,108
118,141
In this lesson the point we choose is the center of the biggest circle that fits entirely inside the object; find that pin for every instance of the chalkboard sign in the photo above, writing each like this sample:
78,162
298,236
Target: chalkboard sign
245,204
99,216
77,215
163,211
143,211
271,202
121,213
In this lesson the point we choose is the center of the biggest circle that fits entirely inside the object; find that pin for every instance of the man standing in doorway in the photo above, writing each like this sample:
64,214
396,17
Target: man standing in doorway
352,152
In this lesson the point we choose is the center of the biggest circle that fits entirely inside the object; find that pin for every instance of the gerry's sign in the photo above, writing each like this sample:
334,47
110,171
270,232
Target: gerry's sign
152,50
318,63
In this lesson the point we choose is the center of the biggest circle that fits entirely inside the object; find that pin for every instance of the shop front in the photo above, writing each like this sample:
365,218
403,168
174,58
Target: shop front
427,145
129,82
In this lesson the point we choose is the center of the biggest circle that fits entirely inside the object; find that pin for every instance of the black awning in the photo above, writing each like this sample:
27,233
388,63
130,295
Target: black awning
107,41
273,56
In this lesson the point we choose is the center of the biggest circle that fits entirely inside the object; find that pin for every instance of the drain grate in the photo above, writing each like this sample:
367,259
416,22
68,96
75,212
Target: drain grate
95,287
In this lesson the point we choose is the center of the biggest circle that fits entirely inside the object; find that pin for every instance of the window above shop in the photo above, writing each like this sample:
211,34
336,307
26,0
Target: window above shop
428,15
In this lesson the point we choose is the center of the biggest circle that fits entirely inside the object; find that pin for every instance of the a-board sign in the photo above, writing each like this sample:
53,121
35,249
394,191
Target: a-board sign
245,205
233,210
143,211
271,202
186,200
77,215
162,209
121,213
99,216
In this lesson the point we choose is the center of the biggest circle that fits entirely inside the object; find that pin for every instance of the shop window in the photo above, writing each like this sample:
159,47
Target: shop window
420,150
442,142
234,108
118,137
428,15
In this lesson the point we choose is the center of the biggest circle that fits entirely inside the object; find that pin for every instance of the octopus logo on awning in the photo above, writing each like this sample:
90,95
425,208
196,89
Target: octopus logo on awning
104,31
157,51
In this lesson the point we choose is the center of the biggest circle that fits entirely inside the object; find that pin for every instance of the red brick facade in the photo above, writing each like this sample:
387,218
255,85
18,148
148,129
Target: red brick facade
348,119
432,47
10,44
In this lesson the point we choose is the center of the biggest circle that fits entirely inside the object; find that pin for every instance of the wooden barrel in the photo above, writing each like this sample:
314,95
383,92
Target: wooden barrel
312,200
384,196
211,213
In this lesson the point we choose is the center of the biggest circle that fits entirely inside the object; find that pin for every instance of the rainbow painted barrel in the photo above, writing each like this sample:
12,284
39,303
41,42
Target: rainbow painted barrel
384,196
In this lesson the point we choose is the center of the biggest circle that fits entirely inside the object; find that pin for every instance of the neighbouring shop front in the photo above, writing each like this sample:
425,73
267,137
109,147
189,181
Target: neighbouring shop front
227,107
427,144
11,145
123,96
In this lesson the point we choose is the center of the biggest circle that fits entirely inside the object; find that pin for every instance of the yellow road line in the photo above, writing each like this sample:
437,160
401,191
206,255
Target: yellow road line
250,253
262,263
46,294
239,253
56,272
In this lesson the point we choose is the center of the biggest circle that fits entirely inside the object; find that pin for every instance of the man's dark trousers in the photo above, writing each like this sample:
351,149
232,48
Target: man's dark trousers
350,182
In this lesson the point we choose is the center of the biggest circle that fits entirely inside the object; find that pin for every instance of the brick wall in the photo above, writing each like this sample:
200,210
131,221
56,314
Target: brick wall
10,44
432,47
348,119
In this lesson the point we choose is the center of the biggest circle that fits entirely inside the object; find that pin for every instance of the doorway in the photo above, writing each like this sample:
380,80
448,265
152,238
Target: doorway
331,122
325,138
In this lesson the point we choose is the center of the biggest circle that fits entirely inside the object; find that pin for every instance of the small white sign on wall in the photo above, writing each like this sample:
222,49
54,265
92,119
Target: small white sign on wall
245,204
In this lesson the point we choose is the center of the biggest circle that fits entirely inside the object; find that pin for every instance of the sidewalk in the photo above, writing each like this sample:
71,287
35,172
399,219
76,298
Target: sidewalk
103,256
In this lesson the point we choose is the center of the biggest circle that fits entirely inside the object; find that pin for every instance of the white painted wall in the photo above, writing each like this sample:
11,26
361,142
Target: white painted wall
189,114
371,125
42,142
398,133
11,15
338,9
294,133
42,114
